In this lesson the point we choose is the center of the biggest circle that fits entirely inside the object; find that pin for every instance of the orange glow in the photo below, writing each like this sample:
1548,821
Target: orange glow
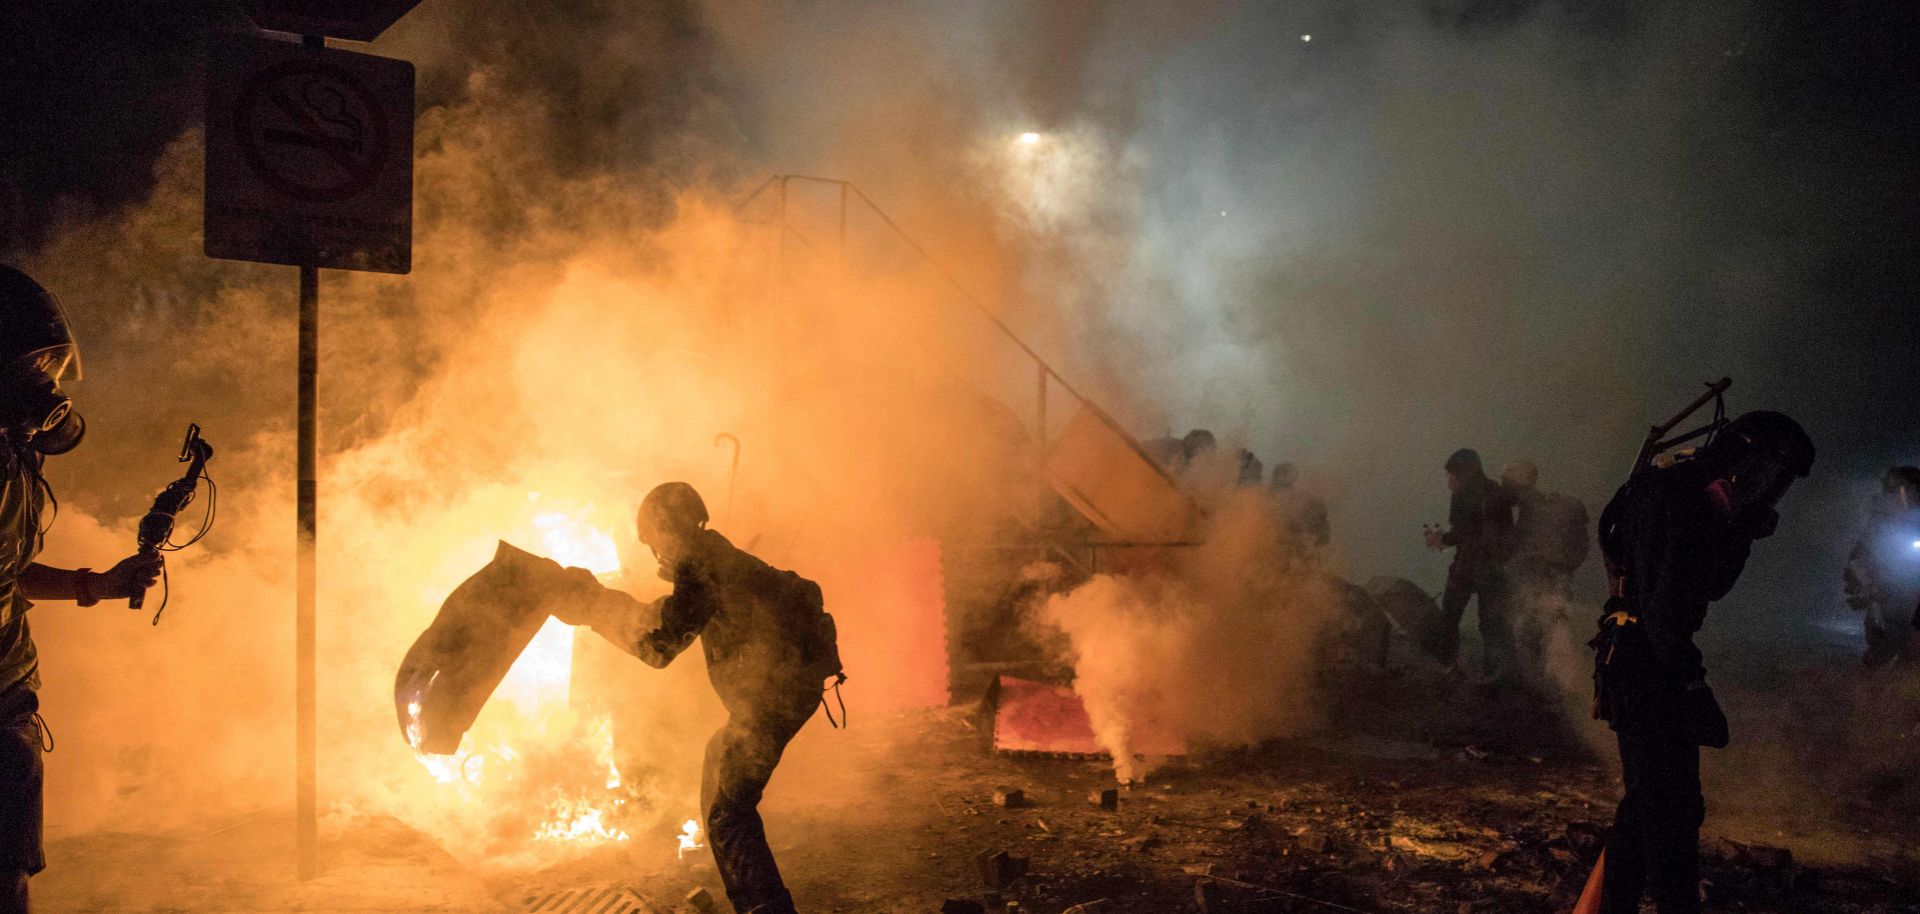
689,838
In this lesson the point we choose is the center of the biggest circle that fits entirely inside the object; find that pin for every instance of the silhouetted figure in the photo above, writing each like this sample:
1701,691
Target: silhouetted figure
1252,471
37,421
1167,451
1675,539
769,645
1480,532
1882,577
1550,543
1303,517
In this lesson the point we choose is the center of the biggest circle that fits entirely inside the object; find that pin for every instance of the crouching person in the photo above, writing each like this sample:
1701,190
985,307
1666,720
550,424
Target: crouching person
769,647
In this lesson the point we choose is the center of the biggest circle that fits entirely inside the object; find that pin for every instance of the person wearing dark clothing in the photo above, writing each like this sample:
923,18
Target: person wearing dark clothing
1480,533
769,645
37,421
1550,543
1882,577
1303,518
1675,539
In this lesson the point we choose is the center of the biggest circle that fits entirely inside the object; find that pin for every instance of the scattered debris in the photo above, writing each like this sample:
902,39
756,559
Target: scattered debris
701,900
1728,852
962,906
1010,799
999,869
1108,799
1088,907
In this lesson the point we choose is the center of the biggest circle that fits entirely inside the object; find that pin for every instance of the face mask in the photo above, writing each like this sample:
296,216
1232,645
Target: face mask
63,437
31,403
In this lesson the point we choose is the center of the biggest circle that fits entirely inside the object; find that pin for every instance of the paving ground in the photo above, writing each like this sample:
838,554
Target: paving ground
1424,795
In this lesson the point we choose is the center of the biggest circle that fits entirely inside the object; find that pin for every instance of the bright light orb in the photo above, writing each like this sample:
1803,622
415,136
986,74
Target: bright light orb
1306,38
1029,139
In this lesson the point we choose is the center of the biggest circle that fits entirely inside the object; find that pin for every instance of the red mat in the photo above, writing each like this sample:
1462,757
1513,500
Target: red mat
1034,717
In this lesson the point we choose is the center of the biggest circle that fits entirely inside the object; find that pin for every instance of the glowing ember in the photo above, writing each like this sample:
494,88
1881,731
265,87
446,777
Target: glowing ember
689,838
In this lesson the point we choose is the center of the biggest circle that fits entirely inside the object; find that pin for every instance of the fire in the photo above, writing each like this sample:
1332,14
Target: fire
689,838
535,690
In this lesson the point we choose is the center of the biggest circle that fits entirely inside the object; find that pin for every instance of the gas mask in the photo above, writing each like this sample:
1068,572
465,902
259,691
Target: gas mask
34,412
1757,482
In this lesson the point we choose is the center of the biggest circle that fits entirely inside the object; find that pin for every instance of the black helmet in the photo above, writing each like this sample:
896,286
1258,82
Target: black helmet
1764,433
33,325
671,509
1465,462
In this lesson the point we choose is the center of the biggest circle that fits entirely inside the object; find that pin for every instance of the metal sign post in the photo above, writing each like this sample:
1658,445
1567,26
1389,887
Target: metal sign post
309,163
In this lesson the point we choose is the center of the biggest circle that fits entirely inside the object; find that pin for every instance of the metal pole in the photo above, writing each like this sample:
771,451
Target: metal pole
306,523
1040,424
305,575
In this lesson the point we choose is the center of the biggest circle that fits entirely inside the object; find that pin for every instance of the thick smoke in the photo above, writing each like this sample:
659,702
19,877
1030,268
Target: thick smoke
1520,227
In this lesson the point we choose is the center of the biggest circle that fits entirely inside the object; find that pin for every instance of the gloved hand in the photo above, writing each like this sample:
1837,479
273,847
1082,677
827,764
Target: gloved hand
577,598
1700,714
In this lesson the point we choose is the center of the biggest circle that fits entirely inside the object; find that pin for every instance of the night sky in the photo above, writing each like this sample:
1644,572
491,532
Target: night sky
1806,145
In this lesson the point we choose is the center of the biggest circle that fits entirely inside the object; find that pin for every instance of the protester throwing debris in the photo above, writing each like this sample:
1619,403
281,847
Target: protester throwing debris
1675,539
769,645
37,421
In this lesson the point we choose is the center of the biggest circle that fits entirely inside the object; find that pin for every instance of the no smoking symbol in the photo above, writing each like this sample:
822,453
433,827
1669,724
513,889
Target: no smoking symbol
312,131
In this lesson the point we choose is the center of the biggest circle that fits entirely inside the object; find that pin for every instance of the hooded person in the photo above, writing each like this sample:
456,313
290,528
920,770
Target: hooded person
1480,533
1675,539
37,421
769,646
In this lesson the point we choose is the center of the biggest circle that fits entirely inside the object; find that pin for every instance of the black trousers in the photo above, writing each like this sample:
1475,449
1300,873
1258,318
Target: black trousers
740,761
20,784
1654,847
1465,579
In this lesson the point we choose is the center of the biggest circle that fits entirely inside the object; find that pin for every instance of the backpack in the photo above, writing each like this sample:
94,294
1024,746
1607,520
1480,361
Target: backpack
1564,524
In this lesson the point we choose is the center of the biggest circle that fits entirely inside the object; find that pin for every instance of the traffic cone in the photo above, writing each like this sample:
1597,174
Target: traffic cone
1589,902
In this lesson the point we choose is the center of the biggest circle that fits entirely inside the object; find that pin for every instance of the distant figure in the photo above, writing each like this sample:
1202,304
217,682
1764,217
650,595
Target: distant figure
1303,517
1197,446
1167,451
1252,471
1882,577
1550,544
1480,533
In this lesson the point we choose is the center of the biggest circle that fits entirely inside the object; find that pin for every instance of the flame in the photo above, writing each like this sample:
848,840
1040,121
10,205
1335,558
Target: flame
572,541
536,691
689,838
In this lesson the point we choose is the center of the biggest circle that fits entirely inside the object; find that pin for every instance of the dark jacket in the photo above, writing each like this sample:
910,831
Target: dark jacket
1479,522
1677,552
763,630
20,502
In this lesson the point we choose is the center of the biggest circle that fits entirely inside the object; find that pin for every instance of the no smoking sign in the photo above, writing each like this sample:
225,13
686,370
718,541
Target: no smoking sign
309,156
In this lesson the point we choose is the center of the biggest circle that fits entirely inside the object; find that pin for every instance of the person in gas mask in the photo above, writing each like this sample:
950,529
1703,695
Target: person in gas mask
1675,539
1882,577
769,647
1480,533
37,421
